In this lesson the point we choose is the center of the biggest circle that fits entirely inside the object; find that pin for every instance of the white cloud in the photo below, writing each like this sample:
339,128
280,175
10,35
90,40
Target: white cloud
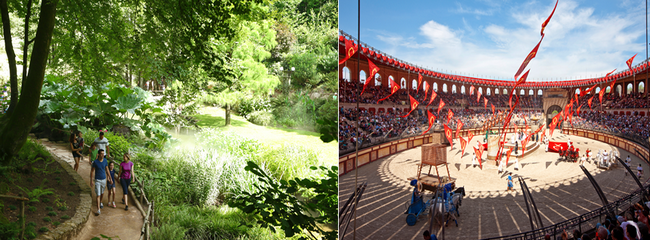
577,43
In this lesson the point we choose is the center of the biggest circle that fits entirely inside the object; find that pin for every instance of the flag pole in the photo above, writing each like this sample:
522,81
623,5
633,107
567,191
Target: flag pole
356,144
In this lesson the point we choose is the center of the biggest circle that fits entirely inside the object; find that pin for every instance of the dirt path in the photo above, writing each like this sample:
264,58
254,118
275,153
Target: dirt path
113,221
560,190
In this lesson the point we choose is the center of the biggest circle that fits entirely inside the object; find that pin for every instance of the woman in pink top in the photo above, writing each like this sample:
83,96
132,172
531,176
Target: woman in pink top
126,174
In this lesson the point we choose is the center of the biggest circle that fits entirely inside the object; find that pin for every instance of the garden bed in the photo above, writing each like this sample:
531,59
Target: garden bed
53,192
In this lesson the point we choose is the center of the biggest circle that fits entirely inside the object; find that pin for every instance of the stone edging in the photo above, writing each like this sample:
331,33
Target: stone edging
72,227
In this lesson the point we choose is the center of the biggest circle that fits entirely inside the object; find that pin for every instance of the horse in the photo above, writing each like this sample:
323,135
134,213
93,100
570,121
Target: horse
448,209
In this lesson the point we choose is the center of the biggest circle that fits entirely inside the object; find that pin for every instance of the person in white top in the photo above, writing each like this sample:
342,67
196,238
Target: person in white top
568,143
639,171
583,159
474,163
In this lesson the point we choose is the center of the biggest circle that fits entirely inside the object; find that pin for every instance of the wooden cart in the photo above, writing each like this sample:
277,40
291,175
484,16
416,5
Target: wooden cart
433,155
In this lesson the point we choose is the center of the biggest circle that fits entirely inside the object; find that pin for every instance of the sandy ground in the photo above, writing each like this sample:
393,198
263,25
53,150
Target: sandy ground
113,221
560,189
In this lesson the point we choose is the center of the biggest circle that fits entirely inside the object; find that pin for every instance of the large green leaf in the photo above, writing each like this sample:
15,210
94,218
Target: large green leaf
128,103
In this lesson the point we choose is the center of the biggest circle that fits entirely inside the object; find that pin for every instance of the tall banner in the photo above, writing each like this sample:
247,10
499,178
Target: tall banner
373,70
431,119
508,156
629,62
530,56
554,123
463,144
478,96
459,125
600,96
440,106
433,96
350,49
592,98
578,111
450,115
414,105
426,90
449,135
470,135
417,89
478,156
493,112
485,100
611,86
610,72
471,90
548,19
393,89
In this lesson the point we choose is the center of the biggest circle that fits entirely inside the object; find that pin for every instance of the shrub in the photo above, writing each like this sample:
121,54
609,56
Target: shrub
12,207
70,193
47,219
43,229
32,209
49,208
45,200
263,118
56,223
63,208
65,217
51,213
73,183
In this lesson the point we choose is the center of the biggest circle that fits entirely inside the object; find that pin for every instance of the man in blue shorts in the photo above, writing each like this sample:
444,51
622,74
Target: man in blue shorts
99,169
429,236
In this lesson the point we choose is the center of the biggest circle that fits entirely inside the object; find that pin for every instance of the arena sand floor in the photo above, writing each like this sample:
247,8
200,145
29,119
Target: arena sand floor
560,189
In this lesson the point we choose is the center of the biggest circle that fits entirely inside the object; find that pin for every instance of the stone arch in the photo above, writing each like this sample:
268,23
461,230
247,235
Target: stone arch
540,92
619,90
608,89
453,89
551,112
402,83
522,92
629,89
435,87
362,76
444,87
597,90
377,79
480,89
346,74
414,84
531,92
496,91
390,80
462,89
640,88
488,92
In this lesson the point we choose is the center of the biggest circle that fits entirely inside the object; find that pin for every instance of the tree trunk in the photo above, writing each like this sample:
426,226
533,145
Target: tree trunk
11,56
227,114
15,127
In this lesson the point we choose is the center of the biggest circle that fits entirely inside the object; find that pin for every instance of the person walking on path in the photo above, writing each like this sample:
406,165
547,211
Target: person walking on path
111,187
639,171
100,170
102,143
93,153
510,185
76,150
126,174
80,140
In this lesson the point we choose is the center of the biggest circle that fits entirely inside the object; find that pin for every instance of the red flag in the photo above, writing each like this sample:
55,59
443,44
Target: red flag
571,120
433,96
588,90
470,135
554,123
440,106
578,111
373,70
478,96
524,143
576,98
414,105
485,103
592,98
463,144
419,82
448,134
393,89
508,156
350,49
530,56
459,125
522,79
432,119
611,86
450,114
426,90
610,72
629,62
493,112
471,90
600,96
548,19
543,133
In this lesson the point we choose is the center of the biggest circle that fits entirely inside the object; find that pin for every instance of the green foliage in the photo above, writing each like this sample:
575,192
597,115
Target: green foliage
250,104
168,232
43,229
49,208
65,217
45,200
71,194
69,106
51,213
263,118
105,237
277,207
32,209
56,223
118,144
63,208
47,219
12,207
36,193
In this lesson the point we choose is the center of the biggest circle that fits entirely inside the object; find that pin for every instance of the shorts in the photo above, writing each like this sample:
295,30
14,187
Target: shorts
125,185
510,184
100,185
110,186
76,155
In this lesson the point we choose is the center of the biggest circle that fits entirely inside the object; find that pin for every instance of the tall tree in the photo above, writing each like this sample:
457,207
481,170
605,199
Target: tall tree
17,122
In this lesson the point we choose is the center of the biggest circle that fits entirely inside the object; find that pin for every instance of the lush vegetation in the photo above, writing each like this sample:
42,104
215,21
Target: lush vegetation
271,62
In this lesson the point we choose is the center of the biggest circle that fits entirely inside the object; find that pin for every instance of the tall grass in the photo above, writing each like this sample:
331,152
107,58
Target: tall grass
190,184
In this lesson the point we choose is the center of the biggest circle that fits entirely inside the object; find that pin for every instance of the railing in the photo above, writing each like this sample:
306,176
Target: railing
585,221
22,212
145,232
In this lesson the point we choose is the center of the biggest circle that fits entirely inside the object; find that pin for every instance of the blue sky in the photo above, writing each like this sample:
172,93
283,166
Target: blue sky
490,38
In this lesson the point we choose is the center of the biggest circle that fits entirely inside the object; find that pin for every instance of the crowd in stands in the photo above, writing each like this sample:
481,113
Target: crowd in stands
631,225
613,101
378,127
372,94
634,126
